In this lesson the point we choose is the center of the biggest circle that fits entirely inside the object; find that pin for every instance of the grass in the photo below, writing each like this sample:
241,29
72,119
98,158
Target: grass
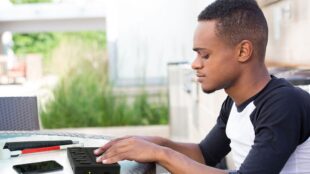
85,98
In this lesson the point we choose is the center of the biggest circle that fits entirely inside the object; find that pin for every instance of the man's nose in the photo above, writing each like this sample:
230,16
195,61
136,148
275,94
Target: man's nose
196,64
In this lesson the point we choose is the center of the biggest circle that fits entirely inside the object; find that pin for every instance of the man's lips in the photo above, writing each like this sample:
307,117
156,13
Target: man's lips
200,77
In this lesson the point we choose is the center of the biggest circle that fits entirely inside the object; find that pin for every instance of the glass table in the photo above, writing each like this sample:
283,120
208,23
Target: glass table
127,167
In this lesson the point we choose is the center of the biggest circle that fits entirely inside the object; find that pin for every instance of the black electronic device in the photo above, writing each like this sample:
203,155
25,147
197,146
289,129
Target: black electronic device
37,167
83,161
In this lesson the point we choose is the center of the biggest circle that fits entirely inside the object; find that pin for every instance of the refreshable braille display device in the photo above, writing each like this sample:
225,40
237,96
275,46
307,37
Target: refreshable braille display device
83,161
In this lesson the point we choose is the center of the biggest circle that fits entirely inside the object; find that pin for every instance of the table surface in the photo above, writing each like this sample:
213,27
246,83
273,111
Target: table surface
60,156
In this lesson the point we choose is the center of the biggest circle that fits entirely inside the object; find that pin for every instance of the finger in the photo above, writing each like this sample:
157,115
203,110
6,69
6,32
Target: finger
111,153
125,153
99,158
115,150
102,149
115,159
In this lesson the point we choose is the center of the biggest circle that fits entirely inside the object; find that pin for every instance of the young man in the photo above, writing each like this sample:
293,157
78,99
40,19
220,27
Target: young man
264,121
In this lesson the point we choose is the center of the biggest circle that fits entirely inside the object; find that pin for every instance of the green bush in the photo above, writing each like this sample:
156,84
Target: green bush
29,1
42,43
84,97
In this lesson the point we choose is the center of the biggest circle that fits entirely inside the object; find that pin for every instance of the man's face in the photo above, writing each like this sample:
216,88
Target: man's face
215,64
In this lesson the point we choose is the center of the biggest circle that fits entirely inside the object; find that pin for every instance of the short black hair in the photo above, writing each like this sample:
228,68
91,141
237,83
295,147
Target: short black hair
239,20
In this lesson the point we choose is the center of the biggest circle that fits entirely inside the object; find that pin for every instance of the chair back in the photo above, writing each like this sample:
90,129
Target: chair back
19,113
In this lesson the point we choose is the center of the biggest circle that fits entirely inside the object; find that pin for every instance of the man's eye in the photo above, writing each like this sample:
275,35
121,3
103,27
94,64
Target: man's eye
205,57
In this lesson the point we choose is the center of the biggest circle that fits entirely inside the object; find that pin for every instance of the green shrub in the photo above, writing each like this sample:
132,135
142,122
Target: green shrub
42,43
84,97
29,1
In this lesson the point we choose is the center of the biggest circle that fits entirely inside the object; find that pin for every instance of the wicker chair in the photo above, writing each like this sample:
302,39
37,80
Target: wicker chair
19,113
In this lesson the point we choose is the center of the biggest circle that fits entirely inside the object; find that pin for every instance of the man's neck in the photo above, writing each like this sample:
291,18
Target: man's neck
248,85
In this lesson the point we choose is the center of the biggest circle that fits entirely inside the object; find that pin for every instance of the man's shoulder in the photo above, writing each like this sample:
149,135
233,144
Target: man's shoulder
280,91
282,102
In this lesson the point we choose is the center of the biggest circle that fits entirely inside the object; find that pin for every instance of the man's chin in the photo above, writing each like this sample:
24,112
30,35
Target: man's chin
208,91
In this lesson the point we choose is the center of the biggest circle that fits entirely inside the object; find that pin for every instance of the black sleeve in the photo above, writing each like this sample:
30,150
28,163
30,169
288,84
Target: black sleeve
216,144
279,129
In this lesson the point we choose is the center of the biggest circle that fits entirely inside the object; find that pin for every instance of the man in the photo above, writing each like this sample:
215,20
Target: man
264,121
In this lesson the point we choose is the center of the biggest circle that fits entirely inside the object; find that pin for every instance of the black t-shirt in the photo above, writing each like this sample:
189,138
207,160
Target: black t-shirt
269,133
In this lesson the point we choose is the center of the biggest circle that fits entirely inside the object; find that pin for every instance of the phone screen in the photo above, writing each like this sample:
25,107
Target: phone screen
44,166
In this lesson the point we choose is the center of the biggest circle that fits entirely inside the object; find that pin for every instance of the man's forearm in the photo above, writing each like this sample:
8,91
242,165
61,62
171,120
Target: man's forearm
176,163
189,149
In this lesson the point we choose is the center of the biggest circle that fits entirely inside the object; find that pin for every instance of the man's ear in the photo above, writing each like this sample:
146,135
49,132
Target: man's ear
244,51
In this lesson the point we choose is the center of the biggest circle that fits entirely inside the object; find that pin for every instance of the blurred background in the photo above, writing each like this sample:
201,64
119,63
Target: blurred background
123,66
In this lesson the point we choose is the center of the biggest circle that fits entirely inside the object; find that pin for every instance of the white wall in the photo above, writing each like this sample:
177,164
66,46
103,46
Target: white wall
289,37
144,35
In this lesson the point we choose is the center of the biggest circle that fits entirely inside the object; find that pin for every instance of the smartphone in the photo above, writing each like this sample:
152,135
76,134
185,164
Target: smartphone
38,167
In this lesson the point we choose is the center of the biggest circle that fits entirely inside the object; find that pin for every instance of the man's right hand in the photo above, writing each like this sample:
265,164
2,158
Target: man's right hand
189,149
152,139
